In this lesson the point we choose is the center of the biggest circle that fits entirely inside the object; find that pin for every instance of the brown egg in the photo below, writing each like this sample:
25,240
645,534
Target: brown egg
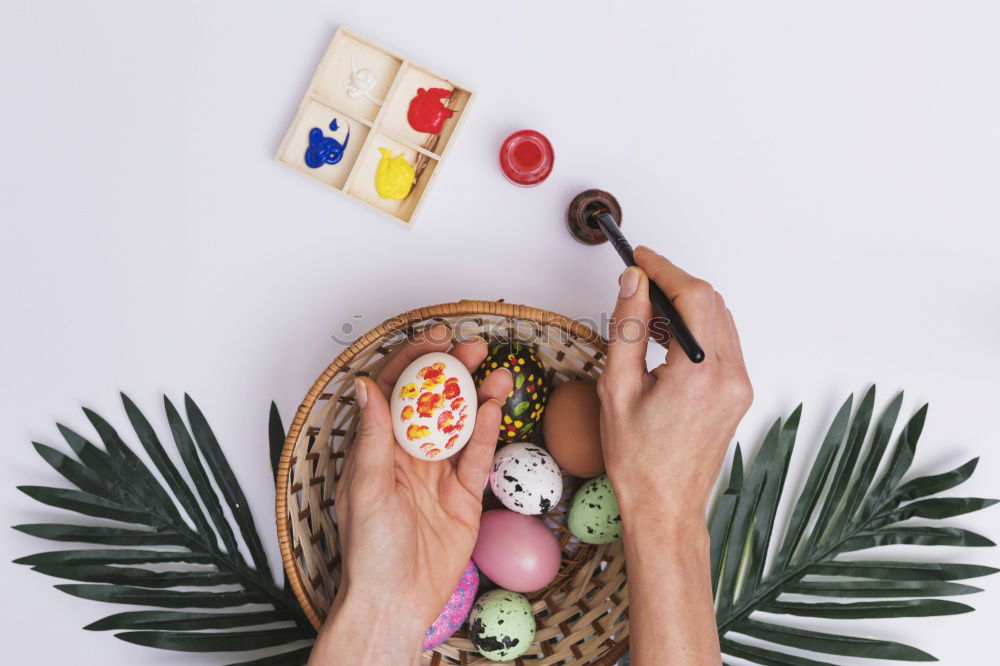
572,428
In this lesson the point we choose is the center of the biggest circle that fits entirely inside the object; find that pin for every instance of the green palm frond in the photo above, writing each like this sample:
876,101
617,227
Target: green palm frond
193,551
842,508
172,546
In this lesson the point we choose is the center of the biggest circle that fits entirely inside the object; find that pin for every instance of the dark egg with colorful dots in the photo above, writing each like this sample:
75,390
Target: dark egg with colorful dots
525,403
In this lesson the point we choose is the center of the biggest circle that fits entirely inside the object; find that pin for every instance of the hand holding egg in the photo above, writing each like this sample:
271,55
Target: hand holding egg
407,525
408,518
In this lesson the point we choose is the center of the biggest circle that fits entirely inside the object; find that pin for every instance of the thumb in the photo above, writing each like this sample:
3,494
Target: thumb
628,332
477,457
474,464
373,446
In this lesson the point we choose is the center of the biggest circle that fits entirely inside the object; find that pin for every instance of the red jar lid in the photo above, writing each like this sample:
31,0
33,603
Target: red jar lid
526,158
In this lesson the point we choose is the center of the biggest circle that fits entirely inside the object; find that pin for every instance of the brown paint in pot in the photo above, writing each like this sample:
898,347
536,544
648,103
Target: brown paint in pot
580,226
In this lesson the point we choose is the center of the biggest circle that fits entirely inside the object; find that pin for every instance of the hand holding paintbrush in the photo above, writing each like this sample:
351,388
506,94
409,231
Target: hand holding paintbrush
593,217
666,315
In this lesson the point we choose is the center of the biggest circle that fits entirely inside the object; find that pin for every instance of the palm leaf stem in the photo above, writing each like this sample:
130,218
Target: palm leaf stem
772,590
251,579
248,577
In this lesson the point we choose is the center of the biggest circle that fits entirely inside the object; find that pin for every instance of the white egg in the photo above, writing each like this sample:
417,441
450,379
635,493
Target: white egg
433,407
526,479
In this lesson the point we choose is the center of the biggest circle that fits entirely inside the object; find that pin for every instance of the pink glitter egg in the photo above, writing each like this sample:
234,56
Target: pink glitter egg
456,610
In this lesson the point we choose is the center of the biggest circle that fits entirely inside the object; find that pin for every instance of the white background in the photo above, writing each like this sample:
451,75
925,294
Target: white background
832,167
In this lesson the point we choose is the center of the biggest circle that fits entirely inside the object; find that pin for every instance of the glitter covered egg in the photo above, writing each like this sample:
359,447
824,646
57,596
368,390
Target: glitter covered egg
525,403
433,407
526,479
502,626
456,610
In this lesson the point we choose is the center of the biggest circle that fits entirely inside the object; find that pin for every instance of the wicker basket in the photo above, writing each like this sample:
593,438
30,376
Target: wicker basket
582,616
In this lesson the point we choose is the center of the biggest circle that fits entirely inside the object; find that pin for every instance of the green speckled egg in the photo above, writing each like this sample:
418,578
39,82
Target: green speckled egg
525,403
593,516
501,625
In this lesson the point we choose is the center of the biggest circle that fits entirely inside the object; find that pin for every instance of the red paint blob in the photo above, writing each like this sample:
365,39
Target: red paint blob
427,111
526,158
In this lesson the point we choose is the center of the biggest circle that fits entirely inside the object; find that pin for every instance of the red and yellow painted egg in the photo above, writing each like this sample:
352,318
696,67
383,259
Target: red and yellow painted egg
523,408
433,407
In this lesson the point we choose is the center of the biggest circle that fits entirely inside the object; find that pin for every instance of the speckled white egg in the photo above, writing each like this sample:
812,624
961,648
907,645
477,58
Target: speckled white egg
433,407
526,479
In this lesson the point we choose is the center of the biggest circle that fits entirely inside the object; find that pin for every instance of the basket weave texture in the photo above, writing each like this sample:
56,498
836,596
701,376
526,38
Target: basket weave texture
582,616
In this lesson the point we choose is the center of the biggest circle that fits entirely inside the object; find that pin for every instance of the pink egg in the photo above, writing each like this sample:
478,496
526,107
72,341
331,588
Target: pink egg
516,552
456,610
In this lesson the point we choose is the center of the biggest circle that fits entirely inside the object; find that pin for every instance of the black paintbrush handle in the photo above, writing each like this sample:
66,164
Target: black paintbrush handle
664,308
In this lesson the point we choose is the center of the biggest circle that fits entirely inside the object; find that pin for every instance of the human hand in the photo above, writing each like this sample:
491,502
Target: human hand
665,432
664,435
407,527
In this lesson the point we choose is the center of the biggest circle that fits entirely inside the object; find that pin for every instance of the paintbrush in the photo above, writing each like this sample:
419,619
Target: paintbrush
591,211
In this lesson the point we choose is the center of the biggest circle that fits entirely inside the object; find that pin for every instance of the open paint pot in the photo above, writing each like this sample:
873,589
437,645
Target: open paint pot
526,158
580,219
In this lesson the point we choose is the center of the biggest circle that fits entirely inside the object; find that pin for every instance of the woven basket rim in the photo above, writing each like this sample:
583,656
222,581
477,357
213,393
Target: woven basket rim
387,327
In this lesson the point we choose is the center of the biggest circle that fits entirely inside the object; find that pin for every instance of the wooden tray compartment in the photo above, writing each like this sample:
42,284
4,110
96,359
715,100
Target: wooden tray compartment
372,124
315,114
346,54
394,118
362,183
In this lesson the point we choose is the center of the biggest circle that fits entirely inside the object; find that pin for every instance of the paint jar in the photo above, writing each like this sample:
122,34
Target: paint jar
526,158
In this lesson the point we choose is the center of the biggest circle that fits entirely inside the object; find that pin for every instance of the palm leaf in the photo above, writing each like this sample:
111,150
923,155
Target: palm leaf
181,528
276,438
841,508
276,443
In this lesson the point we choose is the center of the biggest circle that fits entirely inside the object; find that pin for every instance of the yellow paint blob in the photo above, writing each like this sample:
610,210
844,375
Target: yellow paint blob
394,176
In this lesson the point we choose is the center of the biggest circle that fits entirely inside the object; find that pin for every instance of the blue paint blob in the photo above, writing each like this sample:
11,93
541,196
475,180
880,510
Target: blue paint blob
325,149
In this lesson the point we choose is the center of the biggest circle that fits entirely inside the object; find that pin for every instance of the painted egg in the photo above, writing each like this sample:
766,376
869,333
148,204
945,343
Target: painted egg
502,626
515,551
526,479
525,403
593,516
456,610
433,407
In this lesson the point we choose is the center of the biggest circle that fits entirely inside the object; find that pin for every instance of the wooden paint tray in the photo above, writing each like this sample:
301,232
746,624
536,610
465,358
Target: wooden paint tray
358,102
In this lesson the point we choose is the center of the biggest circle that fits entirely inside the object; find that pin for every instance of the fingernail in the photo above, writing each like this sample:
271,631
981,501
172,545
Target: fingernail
361,393
629,282
643,248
